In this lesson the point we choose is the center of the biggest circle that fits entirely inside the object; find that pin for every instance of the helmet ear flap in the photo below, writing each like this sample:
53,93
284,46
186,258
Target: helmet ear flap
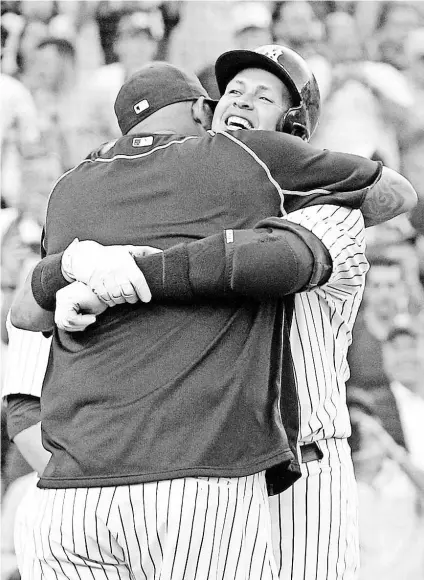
286,124
299,130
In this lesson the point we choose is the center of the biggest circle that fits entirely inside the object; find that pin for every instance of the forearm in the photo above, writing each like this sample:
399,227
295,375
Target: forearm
33,305
389,197
276,259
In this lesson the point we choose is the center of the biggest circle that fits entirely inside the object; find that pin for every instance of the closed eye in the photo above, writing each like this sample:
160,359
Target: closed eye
266,99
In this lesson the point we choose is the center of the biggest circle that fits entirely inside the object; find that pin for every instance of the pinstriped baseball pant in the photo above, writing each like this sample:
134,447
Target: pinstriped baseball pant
315,522
183,529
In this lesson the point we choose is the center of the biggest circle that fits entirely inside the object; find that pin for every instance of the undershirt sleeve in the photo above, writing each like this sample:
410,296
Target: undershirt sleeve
22,412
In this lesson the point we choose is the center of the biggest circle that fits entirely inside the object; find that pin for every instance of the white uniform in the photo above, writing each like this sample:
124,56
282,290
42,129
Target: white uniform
314,522
129,534
26,361
125,533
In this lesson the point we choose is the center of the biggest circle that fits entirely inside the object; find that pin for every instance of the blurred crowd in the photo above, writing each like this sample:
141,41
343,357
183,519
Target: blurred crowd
62,63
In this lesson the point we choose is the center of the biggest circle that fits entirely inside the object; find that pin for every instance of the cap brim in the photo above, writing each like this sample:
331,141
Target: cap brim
229,64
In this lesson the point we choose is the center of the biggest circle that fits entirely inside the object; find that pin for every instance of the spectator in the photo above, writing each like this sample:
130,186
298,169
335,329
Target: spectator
252,28
39,19
400,406
397,20
252,25
59,98
398,240
412,131
136,43
19,130
385,299
365,98
108,13
295,24
171,14
391,496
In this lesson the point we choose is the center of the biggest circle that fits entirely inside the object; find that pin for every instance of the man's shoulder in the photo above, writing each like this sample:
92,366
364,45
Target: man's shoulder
264,138
143,144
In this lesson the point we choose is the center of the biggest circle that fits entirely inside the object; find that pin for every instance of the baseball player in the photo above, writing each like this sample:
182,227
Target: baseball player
27,357
185,475
264,166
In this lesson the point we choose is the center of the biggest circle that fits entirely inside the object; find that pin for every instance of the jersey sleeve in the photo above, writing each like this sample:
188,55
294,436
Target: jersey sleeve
342,231
26,362
310,176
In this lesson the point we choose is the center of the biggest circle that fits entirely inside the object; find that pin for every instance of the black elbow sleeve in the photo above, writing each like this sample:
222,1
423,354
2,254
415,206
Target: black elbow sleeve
46,280
277,261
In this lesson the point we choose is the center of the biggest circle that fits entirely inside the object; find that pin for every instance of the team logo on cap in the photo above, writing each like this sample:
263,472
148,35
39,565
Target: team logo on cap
141,106
271,51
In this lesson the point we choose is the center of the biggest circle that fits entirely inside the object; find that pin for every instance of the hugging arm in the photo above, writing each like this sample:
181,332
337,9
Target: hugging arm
391,195
274,259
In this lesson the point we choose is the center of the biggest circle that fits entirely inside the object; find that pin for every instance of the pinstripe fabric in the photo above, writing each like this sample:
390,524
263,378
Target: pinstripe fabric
314,523
26,361
323,321
182,529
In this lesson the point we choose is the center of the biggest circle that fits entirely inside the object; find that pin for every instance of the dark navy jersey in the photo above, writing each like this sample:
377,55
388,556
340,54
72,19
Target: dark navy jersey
156,392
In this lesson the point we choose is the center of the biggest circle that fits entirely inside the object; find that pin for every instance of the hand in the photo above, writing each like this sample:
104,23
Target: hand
77,307
110,271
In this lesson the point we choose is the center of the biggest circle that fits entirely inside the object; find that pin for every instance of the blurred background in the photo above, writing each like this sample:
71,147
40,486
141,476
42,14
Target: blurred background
62,64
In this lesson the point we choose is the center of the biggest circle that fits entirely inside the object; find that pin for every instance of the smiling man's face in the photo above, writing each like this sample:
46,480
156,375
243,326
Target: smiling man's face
254,99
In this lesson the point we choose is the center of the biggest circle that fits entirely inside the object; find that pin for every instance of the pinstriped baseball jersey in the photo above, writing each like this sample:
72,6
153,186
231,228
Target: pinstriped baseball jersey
315,531
323,320
26,363
182,529
315,522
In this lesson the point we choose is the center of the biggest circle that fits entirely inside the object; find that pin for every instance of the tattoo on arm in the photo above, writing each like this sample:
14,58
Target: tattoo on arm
381,204
391,196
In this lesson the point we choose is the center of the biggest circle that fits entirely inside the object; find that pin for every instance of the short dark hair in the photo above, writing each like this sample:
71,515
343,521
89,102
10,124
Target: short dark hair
63,46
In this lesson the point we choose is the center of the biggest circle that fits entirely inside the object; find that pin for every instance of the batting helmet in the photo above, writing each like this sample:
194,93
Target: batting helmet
302,118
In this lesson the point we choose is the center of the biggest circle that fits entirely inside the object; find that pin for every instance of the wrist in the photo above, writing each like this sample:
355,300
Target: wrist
47,278
167,274
66,262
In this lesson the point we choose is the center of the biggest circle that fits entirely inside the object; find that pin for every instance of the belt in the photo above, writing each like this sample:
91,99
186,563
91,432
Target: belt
310,452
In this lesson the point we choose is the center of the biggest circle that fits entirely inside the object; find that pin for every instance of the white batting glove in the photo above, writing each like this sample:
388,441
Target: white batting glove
77,307
110,271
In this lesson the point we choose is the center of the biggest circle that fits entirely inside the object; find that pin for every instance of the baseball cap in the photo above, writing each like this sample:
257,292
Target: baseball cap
154,86
142,21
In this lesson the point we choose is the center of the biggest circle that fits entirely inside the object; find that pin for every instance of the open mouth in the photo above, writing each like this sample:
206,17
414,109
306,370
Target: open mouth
234,123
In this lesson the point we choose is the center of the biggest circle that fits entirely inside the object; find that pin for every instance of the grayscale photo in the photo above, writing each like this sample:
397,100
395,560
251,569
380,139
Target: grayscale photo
212,289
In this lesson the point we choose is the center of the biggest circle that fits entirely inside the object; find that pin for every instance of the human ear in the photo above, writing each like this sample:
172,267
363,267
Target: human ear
202,111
